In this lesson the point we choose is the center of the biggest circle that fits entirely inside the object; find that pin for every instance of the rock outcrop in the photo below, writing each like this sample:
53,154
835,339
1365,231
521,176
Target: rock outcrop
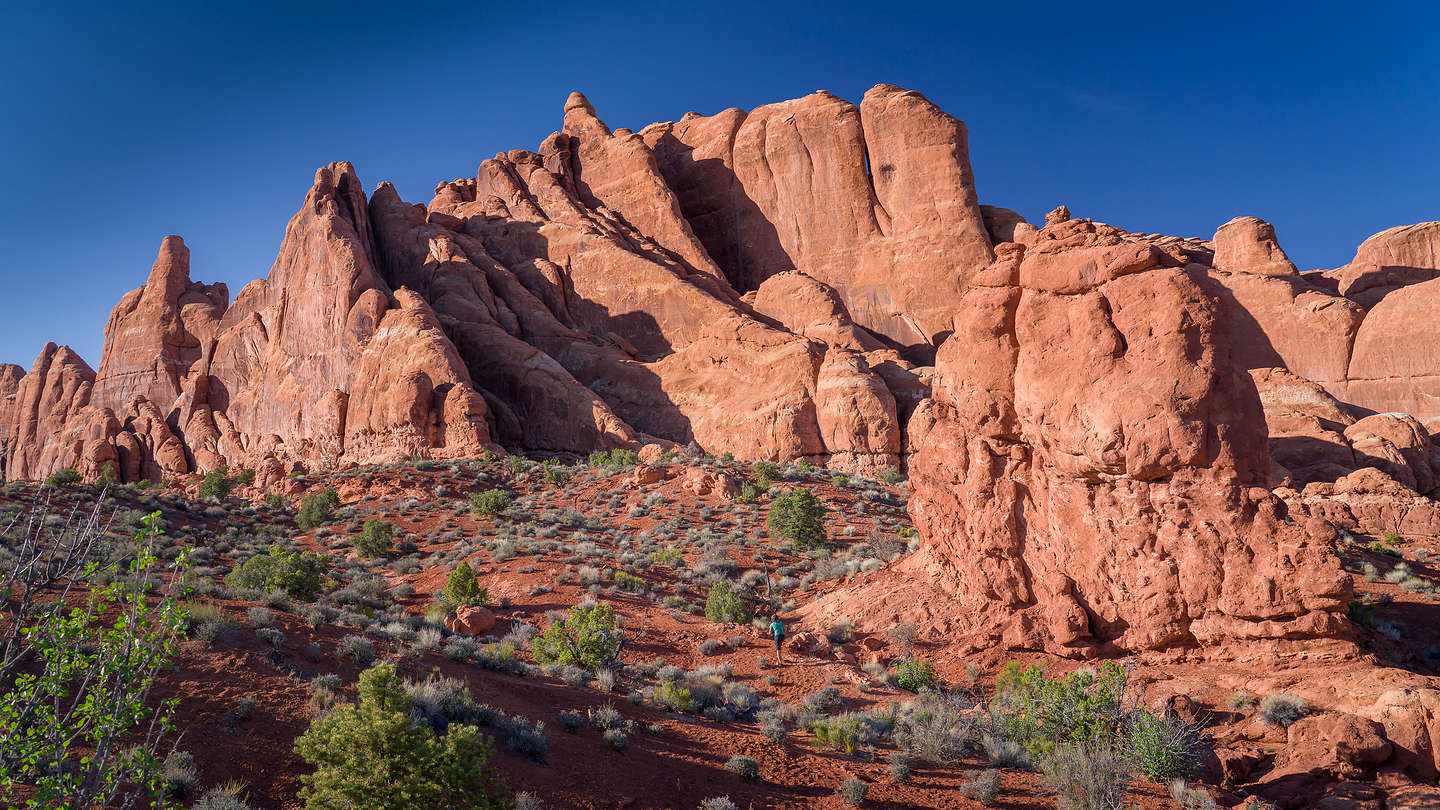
1094,418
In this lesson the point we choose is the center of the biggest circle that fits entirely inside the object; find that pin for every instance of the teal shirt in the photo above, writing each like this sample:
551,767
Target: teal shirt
777,628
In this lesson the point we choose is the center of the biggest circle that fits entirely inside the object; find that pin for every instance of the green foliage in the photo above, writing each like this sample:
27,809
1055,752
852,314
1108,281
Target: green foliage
1161,747
765,473
374,755
914,674
555,476
847,733
626,581
275,500
589,637
108,475
798,516
888,475
217,484
245,477
463,589
67,477
1040,713
617,459
853,791
748,493
76,727
294,572
674,696
724,605
316,508
489,502
376,537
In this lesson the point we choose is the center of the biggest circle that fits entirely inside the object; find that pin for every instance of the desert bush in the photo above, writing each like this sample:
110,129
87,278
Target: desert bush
1282,709
356,648
589,637
317,508
1162,747
937,729
724,605
67,477
375,538
617,459
913,675
798,516
216,484
1087,775
297,573
616,738
1241,701
718,803
983,788
489,502
372,755
853,791
743,767
673,696
888,475
765,474
1040,713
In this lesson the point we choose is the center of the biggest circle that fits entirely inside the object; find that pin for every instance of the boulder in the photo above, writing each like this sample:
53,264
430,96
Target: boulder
471,619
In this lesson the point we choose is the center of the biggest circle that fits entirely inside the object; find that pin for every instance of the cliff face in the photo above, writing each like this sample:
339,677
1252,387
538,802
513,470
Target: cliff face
1085,411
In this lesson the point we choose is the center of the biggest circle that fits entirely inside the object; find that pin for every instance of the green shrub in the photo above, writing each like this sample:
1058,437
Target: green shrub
316,508
245,477
67,477
617,459
1040,713
588,637
374,755
1162,748
376,537
888,475
217,484
798,516
748,493
765,474
554,475
673,696
463,589
489,502
71,685
724,605
275,500
294,572
913,675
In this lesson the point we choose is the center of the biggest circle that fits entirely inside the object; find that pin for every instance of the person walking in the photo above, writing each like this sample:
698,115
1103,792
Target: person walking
777,629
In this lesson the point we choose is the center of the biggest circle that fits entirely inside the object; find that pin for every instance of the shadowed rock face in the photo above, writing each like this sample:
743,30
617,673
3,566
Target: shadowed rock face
817,279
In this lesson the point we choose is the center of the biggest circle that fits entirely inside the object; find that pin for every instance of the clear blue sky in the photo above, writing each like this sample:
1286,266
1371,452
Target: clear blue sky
118,126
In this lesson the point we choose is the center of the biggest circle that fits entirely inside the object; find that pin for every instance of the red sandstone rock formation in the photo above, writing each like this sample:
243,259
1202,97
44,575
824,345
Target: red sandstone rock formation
1090,472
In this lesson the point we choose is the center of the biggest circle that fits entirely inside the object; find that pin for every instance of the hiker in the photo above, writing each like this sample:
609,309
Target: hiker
777,629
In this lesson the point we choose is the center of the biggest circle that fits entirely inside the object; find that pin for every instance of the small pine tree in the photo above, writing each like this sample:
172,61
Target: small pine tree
724,605
798,516
376,537
462,587
374,755
217,484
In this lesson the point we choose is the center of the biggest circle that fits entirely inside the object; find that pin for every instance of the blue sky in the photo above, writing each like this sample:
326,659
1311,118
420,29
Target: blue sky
122,125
